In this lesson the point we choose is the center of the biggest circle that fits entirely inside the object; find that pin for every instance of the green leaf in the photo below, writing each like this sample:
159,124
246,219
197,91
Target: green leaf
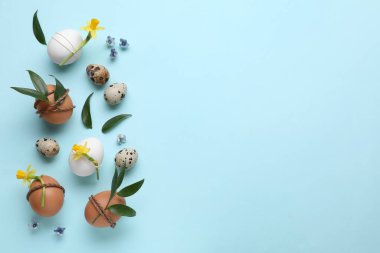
114,185
111,123
86,113
37,30
38,82
120,178
33,93
130,189
59,89
122,210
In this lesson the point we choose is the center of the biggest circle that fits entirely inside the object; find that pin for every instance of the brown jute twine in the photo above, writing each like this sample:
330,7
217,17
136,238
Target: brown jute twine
100,210
37,187
55,106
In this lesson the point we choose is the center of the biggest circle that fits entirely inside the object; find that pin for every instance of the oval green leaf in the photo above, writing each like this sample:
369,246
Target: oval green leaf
114,185
37,30
30,92
111,123
59,89
38,82
130,189
86,113
120,178
122,210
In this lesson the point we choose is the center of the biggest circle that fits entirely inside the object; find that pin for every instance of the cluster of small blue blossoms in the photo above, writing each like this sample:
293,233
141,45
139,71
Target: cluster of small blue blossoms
111,44
34,225
121,138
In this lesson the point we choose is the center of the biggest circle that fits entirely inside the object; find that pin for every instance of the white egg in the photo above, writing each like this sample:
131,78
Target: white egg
83,167
62,44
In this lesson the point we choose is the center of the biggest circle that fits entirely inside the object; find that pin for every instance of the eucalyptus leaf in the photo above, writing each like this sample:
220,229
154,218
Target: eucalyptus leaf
120,178
37,30
111,123
30,92
130,189
114,185
38,82
59,89
86,113
122,210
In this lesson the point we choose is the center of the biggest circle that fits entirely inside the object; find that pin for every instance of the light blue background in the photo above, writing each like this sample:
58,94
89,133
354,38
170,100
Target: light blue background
257,125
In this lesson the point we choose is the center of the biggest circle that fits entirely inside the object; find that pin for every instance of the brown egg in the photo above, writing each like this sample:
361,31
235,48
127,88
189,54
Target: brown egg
54,195
58,114
101,199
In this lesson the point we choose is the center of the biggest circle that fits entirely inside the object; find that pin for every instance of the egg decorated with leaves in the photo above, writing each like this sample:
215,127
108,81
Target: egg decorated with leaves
60,113
95,213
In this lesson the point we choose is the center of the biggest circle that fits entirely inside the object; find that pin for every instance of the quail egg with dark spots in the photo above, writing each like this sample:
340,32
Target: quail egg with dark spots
47,147
126,158
98,74
115,93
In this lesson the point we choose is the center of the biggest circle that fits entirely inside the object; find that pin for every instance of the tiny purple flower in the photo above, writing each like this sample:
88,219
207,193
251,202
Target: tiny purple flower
110,41
34,225
59,231
123,43
121,139
113,53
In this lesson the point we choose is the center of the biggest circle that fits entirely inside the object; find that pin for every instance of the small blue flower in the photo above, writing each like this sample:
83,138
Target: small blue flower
121,139
59,231
113,53
34,225
110,41
123,43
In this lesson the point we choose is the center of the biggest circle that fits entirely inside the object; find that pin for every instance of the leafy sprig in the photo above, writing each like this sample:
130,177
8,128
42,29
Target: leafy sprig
59,89
40,91
120,209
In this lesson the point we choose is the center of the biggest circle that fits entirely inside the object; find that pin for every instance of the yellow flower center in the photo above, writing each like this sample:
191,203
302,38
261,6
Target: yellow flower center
27,175
80,150
20,174
94,24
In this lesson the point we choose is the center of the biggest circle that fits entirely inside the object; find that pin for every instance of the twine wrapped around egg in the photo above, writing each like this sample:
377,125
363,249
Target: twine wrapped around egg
55,106
55,111
52,199
100,211
96,212
35,188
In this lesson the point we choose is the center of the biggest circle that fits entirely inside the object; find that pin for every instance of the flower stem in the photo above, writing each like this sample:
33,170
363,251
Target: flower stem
95,163
43,192
84,42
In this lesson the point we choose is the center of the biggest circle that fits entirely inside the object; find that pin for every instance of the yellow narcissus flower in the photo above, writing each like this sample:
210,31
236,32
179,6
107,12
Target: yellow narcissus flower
80,150
26,176
92,27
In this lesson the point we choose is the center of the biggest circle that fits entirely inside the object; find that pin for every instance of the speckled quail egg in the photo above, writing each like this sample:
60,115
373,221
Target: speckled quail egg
126,158
47,147
98,74
115,93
